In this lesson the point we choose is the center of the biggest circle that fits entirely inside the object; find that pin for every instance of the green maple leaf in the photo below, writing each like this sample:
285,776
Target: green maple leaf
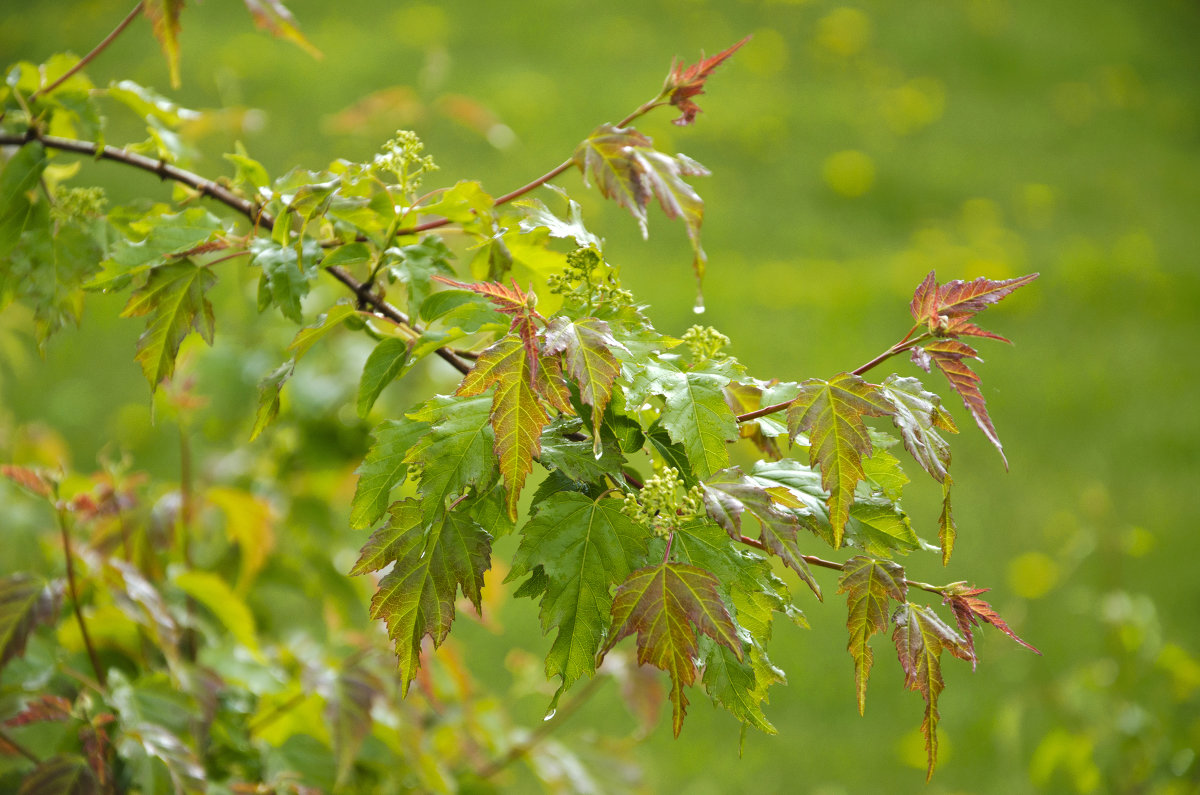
947,530
662,604
25,602
583,547
628,169
457,452
587,347
868,584
384,467
387,362
20,176
695,414
286,274
174,300
164,18
417,265
920,637
880,528
831,413
730,493
431,562
919,414
517,415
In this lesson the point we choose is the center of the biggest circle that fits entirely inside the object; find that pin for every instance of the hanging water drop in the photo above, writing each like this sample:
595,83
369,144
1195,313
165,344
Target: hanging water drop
698,307
550,715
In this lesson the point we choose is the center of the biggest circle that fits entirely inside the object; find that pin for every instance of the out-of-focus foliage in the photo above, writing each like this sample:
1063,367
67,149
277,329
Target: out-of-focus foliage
857,149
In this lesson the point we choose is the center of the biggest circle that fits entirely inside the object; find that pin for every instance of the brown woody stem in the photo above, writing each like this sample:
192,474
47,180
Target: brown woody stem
7,740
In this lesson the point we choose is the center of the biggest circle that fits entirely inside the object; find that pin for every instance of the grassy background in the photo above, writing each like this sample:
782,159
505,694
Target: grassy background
853,148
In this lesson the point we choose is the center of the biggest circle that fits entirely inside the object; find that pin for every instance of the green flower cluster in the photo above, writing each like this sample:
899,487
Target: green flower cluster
663,503
77,204
403,156
705,343
588,280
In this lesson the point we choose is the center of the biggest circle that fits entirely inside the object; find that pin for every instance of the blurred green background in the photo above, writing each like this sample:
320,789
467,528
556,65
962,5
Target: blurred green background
853,149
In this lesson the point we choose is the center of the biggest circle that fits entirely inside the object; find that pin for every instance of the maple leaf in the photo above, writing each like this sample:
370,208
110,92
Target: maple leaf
456,454
516,304
384,467
274,17
583,547
628,169
958,299
948,355
970,611
684,83
164,19
695,413
831,413
174,299
63,773
25,602
517,416
947,311
416,598
43,708
868,584
730,493
919,414
662,604
920,637
587,347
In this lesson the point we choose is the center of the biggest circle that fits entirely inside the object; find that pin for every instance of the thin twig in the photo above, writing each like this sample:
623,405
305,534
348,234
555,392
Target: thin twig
74,590
560,716
85,60
6,739
813,560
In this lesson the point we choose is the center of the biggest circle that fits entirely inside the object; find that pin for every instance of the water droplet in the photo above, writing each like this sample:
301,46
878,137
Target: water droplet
597,448
550,714
698,307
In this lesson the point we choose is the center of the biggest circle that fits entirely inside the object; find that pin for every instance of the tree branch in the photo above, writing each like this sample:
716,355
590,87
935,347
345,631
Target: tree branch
61,513
6,739
217,192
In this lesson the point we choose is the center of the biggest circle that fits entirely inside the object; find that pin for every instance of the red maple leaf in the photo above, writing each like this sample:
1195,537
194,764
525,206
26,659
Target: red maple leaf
970,610
683,83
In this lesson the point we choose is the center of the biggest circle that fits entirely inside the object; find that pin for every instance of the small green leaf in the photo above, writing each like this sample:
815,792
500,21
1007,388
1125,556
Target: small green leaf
386,363
456,454
174,299
21,174
269,389
306,337
215,594
164,16
384,468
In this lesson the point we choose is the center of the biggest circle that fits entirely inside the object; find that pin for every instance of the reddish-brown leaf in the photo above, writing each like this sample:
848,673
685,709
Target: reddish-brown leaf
949,355
920,637
26,478
43,708
684,83
966,298
662,604
971,611
515,303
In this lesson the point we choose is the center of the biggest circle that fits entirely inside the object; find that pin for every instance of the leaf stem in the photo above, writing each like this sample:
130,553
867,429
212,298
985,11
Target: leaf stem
85,60
813,560
61,512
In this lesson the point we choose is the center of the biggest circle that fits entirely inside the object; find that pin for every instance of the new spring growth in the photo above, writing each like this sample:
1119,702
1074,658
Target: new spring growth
402,156
588,280
663,503
705,343
77,204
